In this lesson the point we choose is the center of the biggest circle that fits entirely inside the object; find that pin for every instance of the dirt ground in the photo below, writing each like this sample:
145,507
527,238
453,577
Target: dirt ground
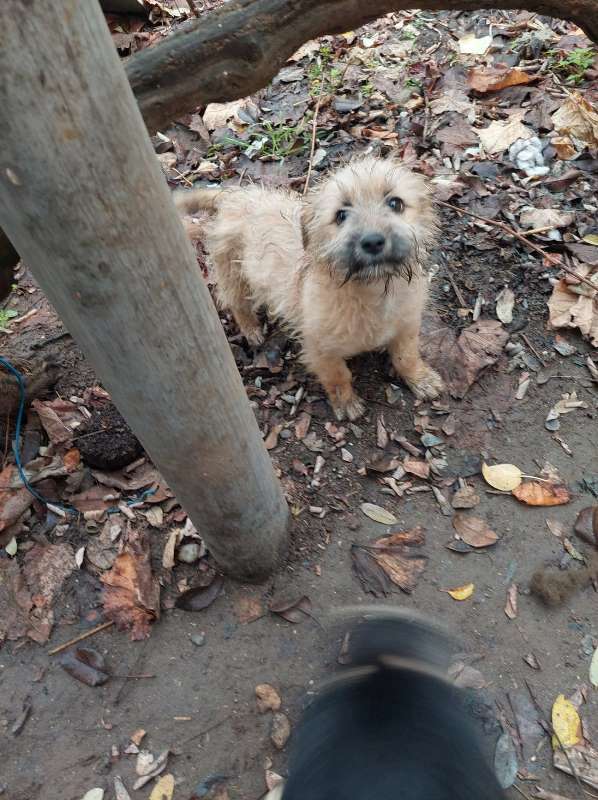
191,684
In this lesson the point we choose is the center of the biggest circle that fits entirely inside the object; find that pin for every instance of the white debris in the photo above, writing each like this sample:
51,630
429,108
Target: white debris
527,155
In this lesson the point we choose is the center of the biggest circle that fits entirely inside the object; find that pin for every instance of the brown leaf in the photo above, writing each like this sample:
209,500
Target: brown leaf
271,439
465,497
393,555
373,578
568,309
474,530
492,79
586,525
92,500
71,459
248,609
281,730
302,424
416,467
534,493
45,569
577,117
461,360
201,596
132,595
499,136
300,468
59,418
293,610
511,606
13,502
15,602
381,433
85,665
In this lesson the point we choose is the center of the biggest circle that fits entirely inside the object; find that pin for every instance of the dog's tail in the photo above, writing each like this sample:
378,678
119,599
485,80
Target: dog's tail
197,200
398,639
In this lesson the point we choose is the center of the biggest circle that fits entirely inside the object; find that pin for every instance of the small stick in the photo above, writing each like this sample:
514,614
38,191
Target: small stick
456,290
533,349
314,130
84,635
512,232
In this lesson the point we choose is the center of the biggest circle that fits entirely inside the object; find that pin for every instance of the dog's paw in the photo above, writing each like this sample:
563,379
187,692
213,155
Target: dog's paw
427,383
351,409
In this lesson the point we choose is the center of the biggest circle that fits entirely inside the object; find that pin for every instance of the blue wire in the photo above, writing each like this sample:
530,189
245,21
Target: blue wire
16,448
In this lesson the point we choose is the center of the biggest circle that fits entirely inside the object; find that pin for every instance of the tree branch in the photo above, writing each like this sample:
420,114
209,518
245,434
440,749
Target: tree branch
238,48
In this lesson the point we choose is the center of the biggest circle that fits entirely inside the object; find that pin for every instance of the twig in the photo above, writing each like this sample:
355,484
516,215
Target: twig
456,290
84,635
314,130
533,349
521,237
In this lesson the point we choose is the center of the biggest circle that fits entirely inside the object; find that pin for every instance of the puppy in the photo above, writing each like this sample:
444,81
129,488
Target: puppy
391,726
343,268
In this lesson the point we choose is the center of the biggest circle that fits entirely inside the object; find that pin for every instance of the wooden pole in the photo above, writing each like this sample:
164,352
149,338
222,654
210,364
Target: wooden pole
83,199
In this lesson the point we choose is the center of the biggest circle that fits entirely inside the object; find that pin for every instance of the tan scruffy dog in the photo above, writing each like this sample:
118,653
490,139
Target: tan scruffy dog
342,268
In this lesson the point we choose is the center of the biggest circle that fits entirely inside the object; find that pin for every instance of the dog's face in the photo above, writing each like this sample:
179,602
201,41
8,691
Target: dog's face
370,221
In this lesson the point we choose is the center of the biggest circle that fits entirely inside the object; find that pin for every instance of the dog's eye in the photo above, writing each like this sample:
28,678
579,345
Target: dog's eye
396,204
341,216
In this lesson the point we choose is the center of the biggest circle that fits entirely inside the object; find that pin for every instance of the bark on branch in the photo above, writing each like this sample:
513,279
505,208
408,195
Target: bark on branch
237,49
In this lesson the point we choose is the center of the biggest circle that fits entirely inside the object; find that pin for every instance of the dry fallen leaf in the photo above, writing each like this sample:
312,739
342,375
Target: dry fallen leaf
511,606
499,136
13,502
461,360
378,514
465,497
85,665
505,302
416,467
577,117
217,115
292,609
132,594
461,592
248,609
390,560
580,761
164,788
504,477
565,723
534,493
492,79
281,730
570,309
546,218
474,530
200,597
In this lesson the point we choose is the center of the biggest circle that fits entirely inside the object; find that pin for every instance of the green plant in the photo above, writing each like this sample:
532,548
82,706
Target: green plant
275,141
367,89
414,83
574,65
6,314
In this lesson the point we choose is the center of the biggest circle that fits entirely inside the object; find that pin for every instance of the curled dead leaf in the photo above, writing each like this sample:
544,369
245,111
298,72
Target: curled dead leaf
85,665
268,698
511,605
293,610
534,493
200,597
474,530
461,592
493,79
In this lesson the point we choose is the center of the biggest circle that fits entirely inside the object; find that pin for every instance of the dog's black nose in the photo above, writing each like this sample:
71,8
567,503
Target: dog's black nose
372,243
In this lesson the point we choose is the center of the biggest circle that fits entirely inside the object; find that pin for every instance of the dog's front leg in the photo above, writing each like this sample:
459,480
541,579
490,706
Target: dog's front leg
423,381
335,376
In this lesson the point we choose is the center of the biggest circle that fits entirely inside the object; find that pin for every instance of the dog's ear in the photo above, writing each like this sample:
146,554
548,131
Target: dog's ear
307,215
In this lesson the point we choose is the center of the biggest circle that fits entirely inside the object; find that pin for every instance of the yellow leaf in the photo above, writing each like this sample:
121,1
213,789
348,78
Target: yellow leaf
591,238
461,592
566,723
164,789
505,477
378,514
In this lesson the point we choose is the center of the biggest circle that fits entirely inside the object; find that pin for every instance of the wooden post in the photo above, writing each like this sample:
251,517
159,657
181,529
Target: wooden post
84,201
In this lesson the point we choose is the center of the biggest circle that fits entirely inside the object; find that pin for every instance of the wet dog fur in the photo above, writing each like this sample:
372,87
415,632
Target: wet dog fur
342,268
